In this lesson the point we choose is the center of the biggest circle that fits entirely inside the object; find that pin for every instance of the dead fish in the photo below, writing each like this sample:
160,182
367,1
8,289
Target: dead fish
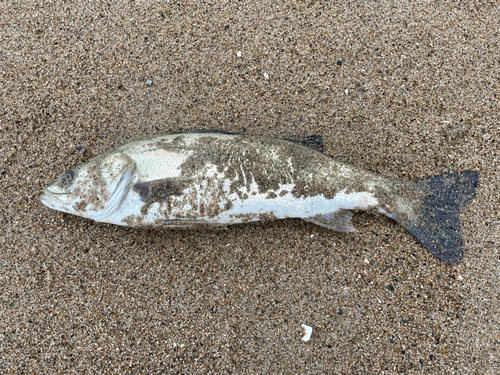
208,179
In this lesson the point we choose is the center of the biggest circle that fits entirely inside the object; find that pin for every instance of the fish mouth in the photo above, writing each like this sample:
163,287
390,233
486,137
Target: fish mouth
53,200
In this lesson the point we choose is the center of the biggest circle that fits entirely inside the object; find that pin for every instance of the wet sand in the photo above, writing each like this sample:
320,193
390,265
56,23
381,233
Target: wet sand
409,91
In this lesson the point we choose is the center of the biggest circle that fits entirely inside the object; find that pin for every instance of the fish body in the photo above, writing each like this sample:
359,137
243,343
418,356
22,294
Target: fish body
209,179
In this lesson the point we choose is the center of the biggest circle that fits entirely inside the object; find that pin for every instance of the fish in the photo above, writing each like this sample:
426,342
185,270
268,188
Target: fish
209,179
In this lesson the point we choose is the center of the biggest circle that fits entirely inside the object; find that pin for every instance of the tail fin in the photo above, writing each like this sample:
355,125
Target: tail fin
437,225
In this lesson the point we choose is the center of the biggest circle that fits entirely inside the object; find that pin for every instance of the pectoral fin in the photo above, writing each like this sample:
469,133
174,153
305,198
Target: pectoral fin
161,190
339,221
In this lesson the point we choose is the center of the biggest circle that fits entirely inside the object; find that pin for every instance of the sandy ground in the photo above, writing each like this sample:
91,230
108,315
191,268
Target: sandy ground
408,91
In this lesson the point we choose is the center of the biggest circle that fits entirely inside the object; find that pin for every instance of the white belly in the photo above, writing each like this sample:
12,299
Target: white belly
196,205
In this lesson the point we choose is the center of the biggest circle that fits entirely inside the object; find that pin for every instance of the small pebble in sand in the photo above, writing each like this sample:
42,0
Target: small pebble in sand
307,332
238,53
266,76
149,82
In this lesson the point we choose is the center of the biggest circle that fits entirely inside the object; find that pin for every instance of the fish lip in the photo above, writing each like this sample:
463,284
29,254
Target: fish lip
52,193
53,200
51,197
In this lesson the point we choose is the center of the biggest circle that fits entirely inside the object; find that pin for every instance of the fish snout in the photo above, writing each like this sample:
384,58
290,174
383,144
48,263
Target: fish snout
54,200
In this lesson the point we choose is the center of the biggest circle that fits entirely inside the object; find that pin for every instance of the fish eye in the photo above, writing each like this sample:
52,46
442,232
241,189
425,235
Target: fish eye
66,179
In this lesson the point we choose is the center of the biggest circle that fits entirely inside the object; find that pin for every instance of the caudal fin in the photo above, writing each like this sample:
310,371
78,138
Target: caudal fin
437,223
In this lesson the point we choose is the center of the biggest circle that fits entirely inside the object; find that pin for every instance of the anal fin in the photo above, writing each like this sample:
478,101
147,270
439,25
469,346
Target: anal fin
339,221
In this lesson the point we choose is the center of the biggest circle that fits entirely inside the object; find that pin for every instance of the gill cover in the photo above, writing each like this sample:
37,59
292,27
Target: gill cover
109,178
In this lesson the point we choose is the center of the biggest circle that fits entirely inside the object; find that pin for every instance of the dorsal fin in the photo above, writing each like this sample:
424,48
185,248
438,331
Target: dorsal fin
313,141
205,131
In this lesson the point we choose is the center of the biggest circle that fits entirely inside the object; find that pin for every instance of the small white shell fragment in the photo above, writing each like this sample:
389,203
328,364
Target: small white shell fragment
367,261
460,278
266,76
308,330
149,81
347,91
238,53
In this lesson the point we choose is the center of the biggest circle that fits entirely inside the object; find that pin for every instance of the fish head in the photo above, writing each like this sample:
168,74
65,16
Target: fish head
93,190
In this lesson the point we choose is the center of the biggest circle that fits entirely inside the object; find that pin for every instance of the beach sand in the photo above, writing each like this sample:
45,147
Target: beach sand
409,91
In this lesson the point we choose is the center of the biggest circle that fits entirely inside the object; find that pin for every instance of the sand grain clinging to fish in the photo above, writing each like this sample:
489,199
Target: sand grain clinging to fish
208,179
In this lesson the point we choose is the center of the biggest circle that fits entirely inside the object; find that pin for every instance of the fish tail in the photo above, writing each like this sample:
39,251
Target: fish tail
436,221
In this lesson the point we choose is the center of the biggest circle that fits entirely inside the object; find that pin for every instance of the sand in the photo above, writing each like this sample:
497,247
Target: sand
408,90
